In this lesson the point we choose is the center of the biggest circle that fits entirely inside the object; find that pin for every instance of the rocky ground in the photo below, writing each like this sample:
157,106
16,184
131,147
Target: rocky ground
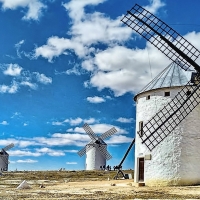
85,185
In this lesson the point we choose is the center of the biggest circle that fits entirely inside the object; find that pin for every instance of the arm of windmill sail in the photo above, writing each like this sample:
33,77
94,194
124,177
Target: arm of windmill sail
90,132
170,116
85,149
163,37
108,133
8,147
103,151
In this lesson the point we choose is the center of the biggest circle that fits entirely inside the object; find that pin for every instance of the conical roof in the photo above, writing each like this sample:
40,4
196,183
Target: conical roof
172,75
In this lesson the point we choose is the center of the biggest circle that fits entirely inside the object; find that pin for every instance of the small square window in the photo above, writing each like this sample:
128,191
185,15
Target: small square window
148,97
167,94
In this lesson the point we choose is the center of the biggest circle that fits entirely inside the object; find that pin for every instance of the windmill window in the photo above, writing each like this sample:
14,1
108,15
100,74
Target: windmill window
167,94
148,97
141,128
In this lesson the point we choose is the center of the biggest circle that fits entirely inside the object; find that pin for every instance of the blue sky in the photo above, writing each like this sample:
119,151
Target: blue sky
66,63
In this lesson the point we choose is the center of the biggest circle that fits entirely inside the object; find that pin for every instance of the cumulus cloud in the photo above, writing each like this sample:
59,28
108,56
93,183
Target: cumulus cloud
11,89
51,152
114,66
12,70
57,46
4,123
124,120
42,78
155,6
34,7
95,99
99,129
71,163
126,70
21,78
74,122
118,139
21,153
27,161
86,31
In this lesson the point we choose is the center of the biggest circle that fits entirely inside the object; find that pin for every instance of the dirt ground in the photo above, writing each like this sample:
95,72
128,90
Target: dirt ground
85,185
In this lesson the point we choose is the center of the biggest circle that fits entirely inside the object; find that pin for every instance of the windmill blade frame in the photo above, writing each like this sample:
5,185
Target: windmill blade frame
85,149
162,36
97,142
170,116
90,132
179,50
103,151
108,133
8,147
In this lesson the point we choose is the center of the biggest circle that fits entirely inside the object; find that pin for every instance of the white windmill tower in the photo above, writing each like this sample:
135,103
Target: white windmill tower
96,150
4,156
168,112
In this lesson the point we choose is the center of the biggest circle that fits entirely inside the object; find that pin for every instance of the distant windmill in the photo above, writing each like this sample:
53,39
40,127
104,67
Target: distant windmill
96,150
4,156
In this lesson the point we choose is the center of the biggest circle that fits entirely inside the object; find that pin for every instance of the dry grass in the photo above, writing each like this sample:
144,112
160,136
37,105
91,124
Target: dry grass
84,185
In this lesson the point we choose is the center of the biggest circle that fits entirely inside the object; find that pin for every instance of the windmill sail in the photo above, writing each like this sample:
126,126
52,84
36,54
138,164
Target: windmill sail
163,37
179,50
166,120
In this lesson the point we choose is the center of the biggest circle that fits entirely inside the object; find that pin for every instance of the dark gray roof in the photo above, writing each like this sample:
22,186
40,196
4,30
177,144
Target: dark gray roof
172,75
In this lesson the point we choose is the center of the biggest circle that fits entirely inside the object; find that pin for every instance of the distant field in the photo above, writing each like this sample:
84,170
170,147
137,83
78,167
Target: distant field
87,185
70,176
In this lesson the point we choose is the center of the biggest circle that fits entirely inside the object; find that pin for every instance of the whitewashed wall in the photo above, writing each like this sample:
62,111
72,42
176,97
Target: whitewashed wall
176,160
94,159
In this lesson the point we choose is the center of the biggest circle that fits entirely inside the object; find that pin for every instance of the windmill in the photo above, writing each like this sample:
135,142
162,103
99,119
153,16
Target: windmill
4,156
158,132
96,150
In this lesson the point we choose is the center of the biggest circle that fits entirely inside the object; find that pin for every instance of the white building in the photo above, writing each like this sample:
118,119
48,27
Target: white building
94,158
176,160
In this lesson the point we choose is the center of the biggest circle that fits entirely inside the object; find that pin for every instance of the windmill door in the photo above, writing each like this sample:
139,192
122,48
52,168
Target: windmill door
141,170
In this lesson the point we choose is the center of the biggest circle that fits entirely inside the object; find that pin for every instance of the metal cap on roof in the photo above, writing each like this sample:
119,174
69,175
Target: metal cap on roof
172,75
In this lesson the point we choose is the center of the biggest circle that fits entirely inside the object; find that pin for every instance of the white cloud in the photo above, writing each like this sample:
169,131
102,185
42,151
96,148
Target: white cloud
74,122
90,121
118,139
29,84
13,70
71,163
21,153
87,30
25,124
99,129
13,88
42,78
124,120
95,99
34,7
18,46
57,123
126,70
115,67
51,152
26,161
4,123
155,5
22,78
71,151
57,46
